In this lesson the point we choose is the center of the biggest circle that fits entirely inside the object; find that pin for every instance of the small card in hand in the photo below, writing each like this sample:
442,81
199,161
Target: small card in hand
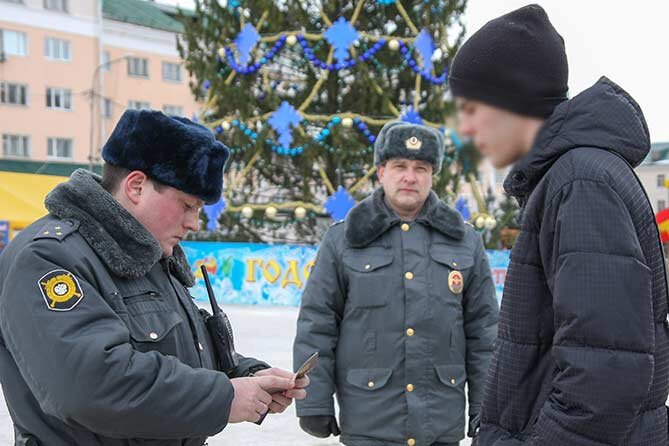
307,367
303,371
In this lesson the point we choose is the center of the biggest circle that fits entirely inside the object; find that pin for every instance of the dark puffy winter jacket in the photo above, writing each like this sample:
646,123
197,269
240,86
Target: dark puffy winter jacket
582,356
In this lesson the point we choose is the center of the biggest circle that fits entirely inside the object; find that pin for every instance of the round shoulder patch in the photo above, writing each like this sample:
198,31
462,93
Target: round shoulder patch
60,289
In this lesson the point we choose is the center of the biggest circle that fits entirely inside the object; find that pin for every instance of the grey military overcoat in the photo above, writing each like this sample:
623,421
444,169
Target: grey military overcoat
101,343
403,315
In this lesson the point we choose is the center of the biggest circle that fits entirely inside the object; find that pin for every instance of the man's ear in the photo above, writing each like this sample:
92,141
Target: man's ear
380,169
135,185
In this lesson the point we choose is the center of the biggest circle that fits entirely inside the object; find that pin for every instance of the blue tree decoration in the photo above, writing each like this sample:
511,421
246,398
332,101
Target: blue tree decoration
463,208
339,204
341,35
412,116
282,121
425,46
457,142
213,211
246,40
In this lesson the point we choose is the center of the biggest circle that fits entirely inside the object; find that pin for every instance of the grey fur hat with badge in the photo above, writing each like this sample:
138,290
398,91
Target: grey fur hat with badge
399,139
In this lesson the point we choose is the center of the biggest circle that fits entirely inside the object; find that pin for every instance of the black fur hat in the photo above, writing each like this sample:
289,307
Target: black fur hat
399,139
171,150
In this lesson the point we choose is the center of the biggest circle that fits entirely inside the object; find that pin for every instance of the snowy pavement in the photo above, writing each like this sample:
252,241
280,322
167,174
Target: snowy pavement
265,333
268,333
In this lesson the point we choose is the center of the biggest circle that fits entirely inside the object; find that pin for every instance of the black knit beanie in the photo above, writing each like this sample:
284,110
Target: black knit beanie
516,62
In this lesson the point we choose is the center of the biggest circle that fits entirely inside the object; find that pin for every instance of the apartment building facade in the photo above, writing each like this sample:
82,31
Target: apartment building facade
70,68
654,175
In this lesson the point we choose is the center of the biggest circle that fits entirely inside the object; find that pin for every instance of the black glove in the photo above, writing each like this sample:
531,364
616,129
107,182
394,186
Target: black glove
474,424
320,426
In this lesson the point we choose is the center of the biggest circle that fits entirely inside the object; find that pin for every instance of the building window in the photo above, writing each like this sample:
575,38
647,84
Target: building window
16,145
56,5
16,94
661,204
57,49
138,105
59,148
172,72
13,43
173,110
107,108
138,66
59,98
104,62
660,180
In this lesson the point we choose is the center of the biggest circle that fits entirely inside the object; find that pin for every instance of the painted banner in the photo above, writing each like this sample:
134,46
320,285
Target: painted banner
261,274
4,234
499,263
251,274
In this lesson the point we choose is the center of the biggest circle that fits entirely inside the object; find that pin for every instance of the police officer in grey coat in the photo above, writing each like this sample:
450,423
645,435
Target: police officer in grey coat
100,342
402,308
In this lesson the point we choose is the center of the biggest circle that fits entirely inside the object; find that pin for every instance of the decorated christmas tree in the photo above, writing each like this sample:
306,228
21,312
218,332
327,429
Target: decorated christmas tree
299,90
504,234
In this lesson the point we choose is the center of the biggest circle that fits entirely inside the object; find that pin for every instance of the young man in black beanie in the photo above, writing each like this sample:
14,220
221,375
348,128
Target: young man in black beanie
582,356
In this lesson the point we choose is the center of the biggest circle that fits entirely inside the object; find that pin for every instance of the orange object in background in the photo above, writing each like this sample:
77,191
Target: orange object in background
662,219
209,263
22,198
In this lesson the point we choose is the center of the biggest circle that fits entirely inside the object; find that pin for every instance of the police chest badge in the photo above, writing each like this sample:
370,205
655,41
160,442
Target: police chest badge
455,282
60,289
413,143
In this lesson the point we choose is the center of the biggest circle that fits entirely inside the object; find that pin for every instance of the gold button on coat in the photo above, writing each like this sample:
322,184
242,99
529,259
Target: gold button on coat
368,266
452,380
409,387
370,384
199,345
153,335
410,332
409,275
411,442
405,227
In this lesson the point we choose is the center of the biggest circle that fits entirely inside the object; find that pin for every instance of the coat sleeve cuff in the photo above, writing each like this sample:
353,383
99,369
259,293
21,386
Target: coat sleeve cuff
315,411
248,366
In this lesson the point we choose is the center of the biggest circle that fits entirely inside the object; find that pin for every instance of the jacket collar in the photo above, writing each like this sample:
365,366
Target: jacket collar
372,217
603,116
124,245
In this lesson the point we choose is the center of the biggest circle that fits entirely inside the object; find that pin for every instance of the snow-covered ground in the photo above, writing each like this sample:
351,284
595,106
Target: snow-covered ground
265,333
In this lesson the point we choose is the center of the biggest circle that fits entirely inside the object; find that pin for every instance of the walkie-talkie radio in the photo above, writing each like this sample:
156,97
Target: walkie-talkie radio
220,330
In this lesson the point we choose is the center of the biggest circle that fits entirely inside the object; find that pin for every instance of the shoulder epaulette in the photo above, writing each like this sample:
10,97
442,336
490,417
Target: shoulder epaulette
57,229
